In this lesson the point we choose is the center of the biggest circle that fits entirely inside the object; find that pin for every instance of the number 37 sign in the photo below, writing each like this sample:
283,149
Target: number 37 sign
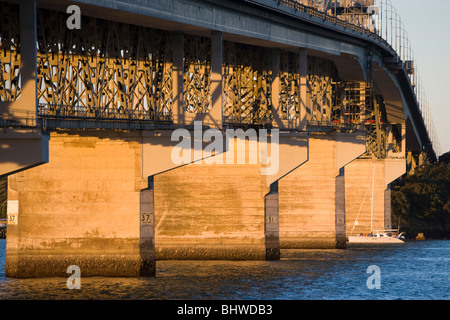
146,218
13,211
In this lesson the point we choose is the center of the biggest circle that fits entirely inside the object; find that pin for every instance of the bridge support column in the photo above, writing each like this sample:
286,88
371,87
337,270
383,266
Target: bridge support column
177,75
216,209
23,148
340,210
368,195
215,115
82,208
147,231
303,96
388,208
272,226
212,212
414,160
312,198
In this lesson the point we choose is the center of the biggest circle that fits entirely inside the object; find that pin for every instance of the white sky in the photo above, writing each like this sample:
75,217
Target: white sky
428,27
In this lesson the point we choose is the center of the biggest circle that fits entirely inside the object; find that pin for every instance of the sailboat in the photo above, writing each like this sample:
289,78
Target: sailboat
378,236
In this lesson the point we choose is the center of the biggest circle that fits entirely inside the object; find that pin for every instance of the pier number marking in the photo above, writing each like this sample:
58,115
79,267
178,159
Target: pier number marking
146,218
12,211
271,219
12,218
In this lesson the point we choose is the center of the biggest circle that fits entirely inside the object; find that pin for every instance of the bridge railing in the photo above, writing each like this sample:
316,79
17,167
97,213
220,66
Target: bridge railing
75,112
391,27
18,119
296,5
49,117
316,126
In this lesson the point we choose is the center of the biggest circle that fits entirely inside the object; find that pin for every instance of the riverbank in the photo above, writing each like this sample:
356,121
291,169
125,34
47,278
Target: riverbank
429,233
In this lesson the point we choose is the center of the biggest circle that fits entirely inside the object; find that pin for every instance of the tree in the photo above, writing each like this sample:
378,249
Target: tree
445,158
421,202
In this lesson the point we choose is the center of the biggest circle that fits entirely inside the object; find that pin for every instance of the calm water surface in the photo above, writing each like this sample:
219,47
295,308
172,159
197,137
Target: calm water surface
413,271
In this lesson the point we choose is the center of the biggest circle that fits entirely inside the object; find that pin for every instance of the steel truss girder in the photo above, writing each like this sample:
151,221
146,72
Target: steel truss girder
289,99
247,79
376,125
321,84
197,74
105,70
111,70
9,52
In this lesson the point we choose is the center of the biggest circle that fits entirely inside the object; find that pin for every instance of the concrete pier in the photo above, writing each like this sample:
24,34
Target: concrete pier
312,214
82,208
93,205
105,132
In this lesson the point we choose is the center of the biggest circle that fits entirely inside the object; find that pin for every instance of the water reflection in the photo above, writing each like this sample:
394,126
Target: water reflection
413,271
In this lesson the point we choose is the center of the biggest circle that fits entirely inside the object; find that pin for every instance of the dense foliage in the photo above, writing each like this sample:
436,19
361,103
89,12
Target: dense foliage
421,202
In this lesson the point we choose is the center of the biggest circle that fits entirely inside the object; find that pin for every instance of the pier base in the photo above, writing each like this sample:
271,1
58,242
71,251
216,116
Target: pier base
82,208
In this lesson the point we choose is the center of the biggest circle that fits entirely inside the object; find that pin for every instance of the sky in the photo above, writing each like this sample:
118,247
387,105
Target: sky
428,27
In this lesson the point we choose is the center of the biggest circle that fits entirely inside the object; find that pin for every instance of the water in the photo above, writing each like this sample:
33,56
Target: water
413,271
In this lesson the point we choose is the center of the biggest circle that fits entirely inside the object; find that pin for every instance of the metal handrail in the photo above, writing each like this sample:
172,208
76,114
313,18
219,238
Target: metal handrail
67,112
294,4
18,119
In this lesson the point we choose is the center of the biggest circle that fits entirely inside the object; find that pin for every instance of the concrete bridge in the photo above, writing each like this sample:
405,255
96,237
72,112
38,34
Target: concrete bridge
197,129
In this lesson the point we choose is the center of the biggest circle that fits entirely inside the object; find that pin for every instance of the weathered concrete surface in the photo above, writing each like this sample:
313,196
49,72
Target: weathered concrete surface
223,208
210,212
92,206
82,208
359,183
308,195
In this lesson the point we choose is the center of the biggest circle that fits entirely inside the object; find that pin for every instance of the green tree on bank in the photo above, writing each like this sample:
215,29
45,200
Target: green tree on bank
421,202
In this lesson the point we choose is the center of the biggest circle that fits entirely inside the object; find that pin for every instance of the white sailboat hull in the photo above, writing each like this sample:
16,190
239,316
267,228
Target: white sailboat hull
374,240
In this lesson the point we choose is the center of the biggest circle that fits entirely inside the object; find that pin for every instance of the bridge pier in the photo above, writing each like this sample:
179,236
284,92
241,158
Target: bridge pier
82,208
213,209
312,208
21,148
211,212
96,206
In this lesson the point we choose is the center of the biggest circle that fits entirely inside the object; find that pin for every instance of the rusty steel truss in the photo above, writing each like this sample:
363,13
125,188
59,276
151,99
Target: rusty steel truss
289,99
197,74
105,70
10,52
116,71
247,79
